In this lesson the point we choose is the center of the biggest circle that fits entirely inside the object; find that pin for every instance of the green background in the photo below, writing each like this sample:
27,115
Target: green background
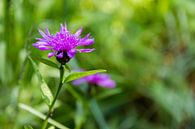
147,46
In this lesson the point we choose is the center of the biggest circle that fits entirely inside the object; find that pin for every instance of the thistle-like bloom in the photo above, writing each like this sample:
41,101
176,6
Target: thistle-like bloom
98,79
63,44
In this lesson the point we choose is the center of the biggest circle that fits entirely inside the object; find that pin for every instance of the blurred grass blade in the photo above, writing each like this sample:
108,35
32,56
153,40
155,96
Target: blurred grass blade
45,90
98,114
78,95
3,61
36,68
108,93
77,75
51,127
47,62
80,115
28,127
40,115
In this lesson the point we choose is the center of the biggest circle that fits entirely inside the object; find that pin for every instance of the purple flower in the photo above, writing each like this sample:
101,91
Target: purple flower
98,79
63,44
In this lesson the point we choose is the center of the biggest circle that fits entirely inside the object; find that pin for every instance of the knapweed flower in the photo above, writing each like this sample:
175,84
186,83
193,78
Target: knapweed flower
98,79
63,45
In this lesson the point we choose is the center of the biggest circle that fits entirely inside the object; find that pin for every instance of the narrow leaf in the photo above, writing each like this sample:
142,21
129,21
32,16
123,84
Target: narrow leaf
77,75
47,62
35,68
46,92
98,115
67,67
28,127
51,127
40,115
76,93
108,93
80,115
3,61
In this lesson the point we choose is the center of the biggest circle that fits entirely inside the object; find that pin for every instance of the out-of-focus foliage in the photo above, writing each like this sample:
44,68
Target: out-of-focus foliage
146,45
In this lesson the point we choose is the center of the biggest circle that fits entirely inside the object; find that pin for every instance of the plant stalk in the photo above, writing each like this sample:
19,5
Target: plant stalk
55,98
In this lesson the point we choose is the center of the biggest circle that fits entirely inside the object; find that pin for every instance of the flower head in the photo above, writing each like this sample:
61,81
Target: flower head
63,44
98,79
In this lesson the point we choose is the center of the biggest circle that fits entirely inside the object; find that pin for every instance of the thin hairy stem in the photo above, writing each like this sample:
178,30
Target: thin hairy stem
55,98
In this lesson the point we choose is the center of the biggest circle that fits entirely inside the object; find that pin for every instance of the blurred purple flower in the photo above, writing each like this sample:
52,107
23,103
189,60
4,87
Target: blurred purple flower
98,79
63,44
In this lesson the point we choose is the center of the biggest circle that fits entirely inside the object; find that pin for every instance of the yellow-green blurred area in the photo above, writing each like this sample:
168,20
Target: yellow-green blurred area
147,46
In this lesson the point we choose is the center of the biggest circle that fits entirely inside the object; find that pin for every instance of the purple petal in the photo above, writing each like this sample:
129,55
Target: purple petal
60,55
63,28
86,50
43,34
79,31
107,83
39,43
36,45
42,47
86,41
50,54
40,39
71,53
103,76
79,81
47,31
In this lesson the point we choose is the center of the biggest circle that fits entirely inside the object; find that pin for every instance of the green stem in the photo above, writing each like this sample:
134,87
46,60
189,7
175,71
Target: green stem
55,98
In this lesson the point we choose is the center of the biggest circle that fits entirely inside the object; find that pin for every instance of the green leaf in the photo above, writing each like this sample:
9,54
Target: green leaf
47,94
28,127
41,115
80,115
35,68
67,67
3,61
47,62
51,127
77,75
108,93
76,93
98,115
